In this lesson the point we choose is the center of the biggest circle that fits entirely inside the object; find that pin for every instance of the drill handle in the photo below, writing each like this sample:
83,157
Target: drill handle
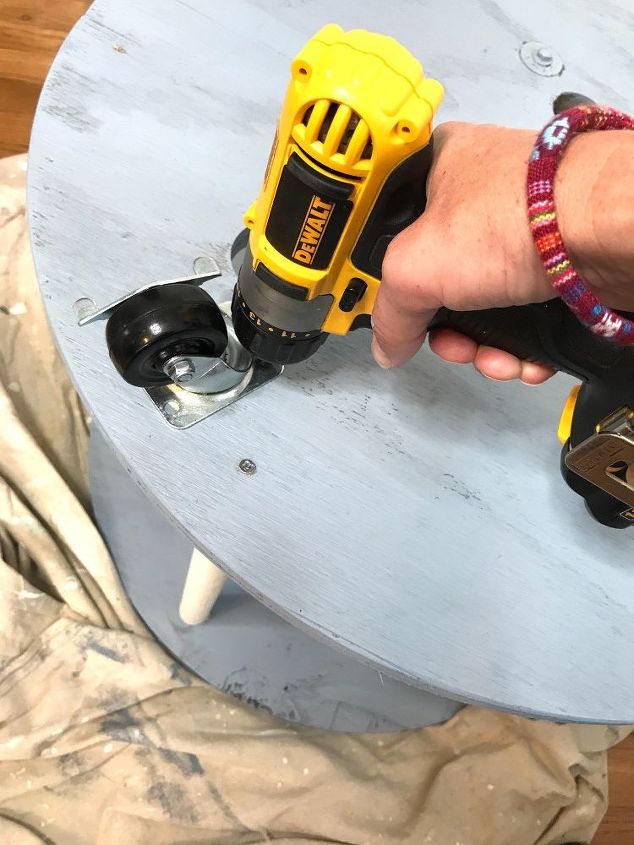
549,333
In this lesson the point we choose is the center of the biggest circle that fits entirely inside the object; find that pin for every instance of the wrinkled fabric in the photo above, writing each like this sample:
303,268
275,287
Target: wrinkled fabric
105,739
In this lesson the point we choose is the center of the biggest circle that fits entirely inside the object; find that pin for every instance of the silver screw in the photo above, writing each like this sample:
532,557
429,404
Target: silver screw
541,58
247,466
180,370
544,56
171,408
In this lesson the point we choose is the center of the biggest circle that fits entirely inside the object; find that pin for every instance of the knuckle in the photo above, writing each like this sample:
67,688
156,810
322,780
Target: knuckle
392,259
449,128
383,333
395,271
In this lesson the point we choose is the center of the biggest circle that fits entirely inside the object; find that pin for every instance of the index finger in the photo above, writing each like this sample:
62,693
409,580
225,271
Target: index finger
398,328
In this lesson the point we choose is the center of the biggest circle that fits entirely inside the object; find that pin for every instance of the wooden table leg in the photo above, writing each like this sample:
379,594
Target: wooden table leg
202,587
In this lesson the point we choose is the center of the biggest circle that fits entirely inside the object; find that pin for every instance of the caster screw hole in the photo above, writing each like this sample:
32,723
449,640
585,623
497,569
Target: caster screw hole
204,264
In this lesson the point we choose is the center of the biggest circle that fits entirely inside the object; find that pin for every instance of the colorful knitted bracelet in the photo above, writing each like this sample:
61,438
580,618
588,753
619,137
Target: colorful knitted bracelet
545,157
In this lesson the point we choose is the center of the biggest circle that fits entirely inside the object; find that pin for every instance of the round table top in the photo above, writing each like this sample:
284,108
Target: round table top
414,517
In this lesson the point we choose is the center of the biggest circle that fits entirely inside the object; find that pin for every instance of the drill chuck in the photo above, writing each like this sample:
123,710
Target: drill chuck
268,342
271,317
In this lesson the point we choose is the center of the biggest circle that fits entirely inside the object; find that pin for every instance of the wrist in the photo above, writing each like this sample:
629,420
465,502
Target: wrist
593,194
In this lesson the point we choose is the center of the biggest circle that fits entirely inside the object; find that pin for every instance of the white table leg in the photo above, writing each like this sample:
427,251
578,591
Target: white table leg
202,587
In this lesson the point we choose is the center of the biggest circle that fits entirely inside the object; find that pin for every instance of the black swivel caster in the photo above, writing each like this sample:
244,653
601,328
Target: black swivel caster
162,323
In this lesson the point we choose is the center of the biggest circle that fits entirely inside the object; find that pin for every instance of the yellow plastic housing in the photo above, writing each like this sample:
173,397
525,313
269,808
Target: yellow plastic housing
567,414
357,105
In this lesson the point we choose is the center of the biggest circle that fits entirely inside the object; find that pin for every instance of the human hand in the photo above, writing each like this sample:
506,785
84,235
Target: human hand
473,249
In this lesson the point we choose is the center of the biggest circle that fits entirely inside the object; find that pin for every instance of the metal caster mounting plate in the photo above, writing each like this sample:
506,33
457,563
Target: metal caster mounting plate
182,409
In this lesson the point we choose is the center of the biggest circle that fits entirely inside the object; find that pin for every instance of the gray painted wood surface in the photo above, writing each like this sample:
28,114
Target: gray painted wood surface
244,648
417,517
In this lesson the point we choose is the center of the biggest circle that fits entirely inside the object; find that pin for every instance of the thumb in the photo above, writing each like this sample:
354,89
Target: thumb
402,311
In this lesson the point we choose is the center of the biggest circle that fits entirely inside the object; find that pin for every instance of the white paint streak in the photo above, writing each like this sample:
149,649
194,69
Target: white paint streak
27,594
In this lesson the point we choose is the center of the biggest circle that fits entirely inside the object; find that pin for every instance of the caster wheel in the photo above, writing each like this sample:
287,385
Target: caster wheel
159,323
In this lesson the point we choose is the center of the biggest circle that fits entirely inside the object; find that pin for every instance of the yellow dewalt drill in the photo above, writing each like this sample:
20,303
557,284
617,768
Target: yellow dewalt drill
346,173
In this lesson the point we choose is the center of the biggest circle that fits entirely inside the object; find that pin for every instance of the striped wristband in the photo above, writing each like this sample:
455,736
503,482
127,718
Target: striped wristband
545,157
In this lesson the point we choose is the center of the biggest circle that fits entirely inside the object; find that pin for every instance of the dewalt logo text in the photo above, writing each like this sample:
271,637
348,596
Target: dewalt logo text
313,229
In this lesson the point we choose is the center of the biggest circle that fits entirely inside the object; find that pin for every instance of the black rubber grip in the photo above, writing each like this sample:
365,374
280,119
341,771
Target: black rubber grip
549,333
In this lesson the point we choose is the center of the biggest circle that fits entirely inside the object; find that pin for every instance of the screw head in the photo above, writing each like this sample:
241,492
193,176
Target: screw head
541,58
180,370
544,56
247,466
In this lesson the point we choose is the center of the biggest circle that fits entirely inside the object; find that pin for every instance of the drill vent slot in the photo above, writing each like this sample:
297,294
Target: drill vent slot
336,126
333,108
352,125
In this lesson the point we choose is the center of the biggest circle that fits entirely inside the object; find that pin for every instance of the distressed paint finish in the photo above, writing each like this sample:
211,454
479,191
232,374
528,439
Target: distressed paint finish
244,648
417,517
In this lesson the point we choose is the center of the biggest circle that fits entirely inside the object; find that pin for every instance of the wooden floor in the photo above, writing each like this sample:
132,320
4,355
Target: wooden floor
30,34
617,827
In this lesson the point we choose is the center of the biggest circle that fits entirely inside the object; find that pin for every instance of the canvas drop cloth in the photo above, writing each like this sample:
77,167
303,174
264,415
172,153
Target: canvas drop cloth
105,740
